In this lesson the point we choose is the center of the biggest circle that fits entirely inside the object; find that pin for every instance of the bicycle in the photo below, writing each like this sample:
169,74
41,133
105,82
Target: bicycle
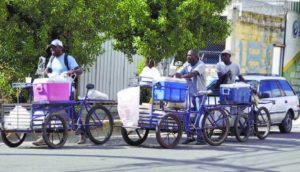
54,119
256,121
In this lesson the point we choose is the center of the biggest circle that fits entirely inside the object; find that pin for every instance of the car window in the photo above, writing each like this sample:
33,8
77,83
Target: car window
253,83
286,88
270,87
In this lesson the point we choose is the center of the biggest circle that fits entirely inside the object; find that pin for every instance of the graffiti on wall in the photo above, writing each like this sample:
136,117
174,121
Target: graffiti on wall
254,45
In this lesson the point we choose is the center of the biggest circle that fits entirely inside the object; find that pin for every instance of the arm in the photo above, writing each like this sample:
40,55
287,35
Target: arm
74,66
241,78
77,70
190,75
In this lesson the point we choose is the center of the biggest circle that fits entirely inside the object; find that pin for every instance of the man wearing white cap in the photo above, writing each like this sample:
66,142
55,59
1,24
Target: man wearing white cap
226,70
58,63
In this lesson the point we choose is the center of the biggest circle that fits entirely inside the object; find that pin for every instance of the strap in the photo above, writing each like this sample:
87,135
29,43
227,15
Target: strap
66,61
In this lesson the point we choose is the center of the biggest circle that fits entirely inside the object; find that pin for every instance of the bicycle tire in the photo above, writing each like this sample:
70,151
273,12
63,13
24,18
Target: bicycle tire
262,119
55,125
137,137
242,127
99,124
215,130
13,141
169,131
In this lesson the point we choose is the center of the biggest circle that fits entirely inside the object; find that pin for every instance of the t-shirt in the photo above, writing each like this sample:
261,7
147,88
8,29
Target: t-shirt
233,71
196,83
58,64
150,72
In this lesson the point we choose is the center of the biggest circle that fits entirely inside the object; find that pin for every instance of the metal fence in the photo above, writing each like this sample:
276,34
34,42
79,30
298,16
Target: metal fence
111,72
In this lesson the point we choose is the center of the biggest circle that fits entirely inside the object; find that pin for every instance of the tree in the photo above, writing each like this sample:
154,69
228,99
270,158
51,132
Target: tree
28,26
159,29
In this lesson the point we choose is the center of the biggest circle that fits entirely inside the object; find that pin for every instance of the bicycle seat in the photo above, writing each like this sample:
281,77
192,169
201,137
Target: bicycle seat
200,93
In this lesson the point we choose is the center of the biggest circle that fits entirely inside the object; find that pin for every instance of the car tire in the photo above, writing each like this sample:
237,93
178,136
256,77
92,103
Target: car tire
287,123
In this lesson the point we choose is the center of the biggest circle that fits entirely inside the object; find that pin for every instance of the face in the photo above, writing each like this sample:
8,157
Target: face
191,57
56,50
225,58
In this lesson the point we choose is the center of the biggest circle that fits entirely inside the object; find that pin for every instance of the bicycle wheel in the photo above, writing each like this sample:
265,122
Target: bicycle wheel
99,124
134,137
168,131
215,126
242,127
262,123
55,132
13,139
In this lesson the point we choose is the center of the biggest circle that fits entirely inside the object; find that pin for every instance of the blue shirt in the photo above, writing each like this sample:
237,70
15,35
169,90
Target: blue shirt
58,64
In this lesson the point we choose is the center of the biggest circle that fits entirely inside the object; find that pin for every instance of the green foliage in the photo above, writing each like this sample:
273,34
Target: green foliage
28,26
140,66
8,74
159,29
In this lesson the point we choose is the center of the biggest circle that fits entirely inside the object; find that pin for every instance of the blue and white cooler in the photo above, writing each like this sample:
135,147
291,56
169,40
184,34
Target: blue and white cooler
236,93
169,89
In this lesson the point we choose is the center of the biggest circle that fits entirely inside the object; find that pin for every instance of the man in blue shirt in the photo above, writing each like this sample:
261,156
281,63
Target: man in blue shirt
57,65
194,71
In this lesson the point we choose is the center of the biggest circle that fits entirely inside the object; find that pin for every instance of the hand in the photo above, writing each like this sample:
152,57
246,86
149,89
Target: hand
70,73
177,75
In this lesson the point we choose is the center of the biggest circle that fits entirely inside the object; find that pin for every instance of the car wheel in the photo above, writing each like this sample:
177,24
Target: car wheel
287,123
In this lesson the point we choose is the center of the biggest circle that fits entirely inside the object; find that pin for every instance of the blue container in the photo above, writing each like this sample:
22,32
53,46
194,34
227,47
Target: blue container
237,93
170,89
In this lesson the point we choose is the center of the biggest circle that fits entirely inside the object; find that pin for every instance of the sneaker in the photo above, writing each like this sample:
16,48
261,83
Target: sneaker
188,140
82,140
39,142
200,142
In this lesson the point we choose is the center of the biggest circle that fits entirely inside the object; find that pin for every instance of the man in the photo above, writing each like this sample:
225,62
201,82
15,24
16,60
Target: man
194,71
57,65
228,71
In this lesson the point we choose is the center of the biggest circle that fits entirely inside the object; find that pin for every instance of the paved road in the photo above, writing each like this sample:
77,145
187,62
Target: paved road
280,152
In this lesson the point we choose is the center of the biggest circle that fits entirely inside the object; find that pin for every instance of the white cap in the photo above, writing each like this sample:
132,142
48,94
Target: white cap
226,52
57,42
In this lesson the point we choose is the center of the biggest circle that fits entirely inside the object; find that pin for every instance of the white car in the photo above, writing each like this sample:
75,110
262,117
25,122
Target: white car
285,106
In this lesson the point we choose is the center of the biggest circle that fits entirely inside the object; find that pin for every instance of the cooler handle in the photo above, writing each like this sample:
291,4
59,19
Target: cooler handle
39,88
225,91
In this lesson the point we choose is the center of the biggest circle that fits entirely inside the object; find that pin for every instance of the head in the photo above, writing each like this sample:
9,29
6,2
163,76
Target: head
225,56
192,57
150,63
56,47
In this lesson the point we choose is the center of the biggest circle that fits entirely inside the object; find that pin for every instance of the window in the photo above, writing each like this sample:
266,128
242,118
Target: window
270,87
286,88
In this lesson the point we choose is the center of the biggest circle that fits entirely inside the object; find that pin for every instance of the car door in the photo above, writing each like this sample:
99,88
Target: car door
277,108
290,98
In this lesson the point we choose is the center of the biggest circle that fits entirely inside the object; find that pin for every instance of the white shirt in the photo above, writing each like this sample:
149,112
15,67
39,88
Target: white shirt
196,83
234,72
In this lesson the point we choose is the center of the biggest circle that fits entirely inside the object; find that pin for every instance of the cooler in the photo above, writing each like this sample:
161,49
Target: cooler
237,93
45,89
169,89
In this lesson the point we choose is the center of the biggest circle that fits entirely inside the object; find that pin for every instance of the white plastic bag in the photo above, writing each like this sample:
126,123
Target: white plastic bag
95,94
128,106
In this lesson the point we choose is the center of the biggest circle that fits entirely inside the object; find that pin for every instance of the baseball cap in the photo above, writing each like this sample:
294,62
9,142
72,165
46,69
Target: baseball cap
57,42
226,52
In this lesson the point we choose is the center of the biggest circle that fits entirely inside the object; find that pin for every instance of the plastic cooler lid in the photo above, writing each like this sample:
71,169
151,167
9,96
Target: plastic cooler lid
235,85
50,80
169,79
